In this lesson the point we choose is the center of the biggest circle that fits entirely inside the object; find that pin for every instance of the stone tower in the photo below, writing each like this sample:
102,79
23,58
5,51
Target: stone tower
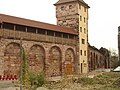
74,14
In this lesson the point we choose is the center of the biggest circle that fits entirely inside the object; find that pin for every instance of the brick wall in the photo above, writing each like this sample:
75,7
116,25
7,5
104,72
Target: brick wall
47,57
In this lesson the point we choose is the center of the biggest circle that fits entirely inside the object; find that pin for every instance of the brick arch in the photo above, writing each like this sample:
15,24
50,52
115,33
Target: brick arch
55,61
69,61
12,46
12,59
36,59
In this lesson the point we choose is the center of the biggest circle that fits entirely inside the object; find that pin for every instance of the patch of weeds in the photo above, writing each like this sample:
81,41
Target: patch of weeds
86,80
103,79
117,83
37,80
110,87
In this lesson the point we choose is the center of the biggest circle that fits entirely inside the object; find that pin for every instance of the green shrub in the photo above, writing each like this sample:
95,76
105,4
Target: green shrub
40,79
32,79
37,80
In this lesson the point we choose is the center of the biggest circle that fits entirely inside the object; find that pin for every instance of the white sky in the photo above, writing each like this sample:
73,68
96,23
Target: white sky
104,17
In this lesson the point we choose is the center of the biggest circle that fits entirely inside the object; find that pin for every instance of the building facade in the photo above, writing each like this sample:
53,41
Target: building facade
98,58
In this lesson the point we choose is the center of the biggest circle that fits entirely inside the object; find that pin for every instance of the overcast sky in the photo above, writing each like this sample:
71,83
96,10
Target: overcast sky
104,17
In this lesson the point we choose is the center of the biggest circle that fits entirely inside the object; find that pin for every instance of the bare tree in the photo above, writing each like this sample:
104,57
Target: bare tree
114,62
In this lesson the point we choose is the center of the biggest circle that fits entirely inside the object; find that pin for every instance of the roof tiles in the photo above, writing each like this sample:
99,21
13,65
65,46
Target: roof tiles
37,24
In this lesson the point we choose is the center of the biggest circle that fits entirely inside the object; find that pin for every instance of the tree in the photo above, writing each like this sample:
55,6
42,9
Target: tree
113,58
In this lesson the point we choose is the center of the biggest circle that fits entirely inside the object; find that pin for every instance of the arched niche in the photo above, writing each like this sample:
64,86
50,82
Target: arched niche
36,59
69,65
12,59
55,61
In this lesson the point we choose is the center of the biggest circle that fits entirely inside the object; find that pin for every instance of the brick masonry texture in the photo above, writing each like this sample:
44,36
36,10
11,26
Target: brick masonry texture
49,58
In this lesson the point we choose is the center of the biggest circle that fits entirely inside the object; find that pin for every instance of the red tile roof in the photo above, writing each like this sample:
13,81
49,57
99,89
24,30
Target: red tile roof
37,24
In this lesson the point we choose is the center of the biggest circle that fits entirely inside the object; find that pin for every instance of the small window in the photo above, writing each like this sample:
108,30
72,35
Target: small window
83,61
9,26
80,52
84,30
84,9
65,35
62,8
84,53
71,36
80,29
80,18
41,31
70,6
31,29
83,41
51,33
84,19
21,28
79,6
58,34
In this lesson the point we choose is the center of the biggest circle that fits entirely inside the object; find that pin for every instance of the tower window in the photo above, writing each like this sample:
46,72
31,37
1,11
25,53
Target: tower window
80,18
62,8
83,41
79,6
80,52
84,30
84,53
70,6
84,9
80,29
84,19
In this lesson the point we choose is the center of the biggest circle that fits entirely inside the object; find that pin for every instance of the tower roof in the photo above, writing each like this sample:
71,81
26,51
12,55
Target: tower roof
67,1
